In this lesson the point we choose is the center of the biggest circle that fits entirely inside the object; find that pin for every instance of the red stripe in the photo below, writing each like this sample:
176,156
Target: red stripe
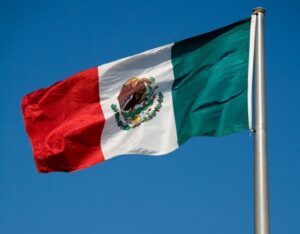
64,123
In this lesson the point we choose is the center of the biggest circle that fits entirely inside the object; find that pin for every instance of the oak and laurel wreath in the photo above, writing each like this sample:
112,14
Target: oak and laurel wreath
150,114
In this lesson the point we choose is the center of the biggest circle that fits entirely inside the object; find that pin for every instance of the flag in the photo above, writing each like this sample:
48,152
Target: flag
150,103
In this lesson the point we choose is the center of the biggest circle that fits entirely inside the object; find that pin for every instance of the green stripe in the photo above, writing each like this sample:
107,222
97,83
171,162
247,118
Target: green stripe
210,87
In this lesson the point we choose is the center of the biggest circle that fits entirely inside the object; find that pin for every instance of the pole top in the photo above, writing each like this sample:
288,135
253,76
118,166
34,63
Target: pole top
257,10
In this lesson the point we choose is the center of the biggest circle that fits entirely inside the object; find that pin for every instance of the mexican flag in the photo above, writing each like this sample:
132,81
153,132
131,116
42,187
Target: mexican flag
150,103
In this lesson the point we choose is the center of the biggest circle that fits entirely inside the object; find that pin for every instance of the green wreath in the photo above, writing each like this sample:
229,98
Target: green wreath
131,115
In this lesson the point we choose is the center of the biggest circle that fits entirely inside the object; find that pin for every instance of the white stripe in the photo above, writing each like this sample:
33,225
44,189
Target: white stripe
154,137
250,71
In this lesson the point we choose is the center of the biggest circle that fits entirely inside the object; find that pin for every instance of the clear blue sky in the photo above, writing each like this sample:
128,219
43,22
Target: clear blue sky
204,187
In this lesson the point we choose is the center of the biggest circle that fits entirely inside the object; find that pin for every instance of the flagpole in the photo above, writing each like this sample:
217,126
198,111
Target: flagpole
261,193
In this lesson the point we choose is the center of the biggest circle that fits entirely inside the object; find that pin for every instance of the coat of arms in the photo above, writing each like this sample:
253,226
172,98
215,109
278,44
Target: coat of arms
139,102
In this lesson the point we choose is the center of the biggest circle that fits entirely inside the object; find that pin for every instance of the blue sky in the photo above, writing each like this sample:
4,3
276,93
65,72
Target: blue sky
206,186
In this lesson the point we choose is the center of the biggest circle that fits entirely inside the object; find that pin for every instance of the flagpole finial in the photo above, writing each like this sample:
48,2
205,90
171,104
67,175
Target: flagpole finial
256,10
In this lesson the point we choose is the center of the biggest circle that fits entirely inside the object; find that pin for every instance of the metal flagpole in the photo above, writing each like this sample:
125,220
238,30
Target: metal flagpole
261,193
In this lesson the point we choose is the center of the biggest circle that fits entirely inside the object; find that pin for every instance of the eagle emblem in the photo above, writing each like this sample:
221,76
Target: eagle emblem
139,102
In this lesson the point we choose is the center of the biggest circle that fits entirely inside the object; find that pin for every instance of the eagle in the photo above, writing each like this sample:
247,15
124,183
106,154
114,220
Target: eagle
133,92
